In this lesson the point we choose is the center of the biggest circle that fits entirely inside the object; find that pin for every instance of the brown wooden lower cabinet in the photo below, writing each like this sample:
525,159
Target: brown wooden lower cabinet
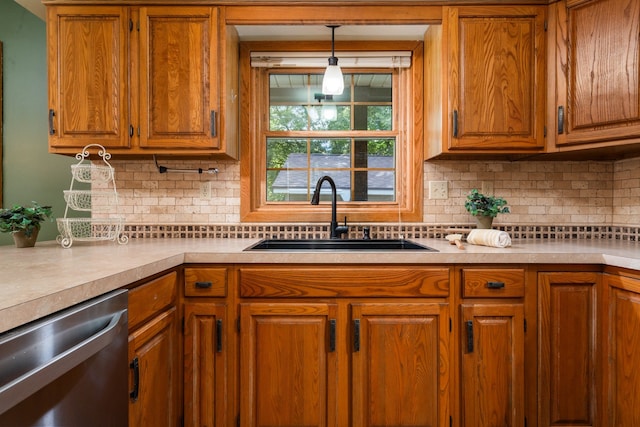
385,347
154,353
294,354
288,364
397,350
355,346
492,378
570,348
622,373
205,361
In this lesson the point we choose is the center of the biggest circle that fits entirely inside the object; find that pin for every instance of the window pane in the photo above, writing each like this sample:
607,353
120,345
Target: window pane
331,146
287,185
372,88
380,186
279,151
329,116
288,117
288,88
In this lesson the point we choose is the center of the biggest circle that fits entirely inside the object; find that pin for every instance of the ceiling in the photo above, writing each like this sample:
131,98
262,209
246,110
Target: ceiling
321,32
34,6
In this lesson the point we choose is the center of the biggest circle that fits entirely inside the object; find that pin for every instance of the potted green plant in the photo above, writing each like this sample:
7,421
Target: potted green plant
24,223
484,208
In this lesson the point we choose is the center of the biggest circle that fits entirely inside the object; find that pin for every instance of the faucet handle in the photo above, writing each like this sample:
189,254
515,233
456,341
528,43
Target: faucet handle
342,229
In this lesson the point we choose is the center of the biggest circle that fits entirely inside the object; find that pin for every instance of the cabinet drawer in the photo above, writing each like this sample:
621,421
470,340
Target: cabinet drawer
344,281
492,283
205,282
146,300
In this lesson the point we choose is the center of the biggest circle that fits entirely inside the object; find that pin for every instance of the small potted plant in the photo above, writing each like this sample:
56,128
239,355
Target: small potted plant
24,223
484,208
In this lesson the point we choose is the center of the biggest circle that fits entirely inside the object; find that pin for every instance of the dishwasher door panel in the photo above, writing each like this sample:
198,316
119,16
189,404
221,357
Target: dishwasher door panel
69,369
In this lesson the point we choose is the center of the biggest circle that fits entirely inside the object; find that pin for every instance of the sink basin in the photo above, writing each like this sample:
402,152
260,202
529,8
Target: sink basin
337,245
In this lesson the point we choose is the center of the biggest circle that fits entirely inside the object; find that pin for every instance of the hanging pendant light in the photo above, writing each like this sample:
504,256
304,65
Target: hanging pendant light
333,83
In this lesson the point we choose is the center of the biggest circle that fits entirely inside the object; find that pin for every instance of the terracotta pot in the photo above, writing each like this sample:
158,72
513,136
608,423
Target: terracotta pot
483,221
23,241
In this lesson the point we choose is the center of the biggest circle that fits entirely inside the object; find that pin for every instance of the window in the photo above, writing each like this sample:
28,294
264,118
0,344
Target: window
361,161
365,139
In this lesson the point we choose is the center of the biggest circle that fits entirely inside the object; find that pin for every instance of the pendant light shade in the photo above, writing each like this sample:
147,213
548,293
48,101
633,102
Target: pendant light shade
333,82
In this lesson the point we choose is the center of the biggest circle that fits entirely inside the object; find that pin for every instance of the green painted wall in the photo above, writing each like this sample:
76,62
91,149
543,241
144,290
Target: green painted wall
29,171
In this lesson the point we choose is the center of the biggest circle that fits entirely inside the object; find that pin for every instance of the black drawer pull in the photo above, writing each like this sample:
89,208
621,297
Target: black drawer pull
332,335
219,336
213,124
560,120
52,129
204,285
495,285
356,335
469,324
135,365
455,123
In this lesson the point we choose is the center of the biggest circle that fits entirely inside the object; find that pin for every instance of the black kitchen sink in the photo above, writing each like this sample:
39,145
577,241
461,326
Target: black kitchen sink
338,245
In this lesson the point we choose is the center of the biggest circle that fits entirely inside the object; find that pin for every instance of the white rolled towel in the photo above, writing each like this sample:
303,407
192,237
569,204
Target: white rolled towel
495,238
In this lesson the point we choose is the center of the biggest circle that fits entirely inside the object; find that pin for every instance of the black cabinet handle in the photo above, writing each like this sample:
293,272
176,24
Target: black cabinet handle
135,365
356,335
52,130
204,285
495,285
332,335
213,123
469,324
219,336
455,123
560,120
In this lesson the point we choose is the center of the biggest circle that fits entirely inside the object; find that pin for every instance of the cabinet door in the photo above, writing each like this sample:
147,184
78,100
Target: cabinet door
153,354
205,360
598,71
178,77
492,378
568,355
496,71
87,57
288,364
623,376
400,354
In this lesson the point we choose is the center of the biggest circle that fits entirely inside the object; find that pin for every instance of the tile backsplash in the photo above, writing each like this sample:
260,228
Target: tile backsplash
543,193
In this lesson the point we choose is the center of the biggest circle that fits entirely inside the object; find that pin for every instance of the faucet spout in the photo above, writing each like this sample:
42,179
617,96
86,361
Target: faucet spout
336,231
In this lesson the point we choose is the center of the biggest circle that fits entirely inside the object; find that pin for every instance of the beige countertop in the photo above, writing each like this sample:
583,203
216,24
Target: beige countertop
38,281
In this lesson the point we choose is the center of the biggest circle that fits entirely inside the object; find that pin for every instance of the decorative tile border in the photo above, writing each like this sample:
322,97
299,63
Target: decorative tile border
377,231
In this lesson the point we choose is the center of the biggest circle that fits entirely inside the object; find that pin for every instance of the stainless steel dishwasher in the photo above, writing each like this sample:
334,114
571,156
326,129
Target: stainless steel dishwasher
68,369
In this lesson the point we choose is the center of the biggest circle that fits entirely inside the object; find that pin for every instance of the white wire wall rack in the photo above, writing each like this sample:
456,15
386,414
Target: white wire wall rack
92,228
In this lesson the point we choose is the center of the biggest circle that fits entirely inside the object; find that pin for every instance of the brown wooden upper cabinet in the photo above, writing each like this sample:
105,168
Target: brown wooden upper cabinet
485,81
142,80
598,72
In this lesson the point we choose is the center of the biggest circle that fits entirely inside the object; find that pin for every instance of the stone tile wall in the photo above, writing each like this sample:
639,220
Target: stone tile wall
539,193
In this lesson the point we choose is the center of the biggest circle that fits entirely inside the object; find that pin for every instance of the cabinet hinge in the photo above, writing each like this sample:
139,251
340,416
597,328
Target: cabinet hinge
525,325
